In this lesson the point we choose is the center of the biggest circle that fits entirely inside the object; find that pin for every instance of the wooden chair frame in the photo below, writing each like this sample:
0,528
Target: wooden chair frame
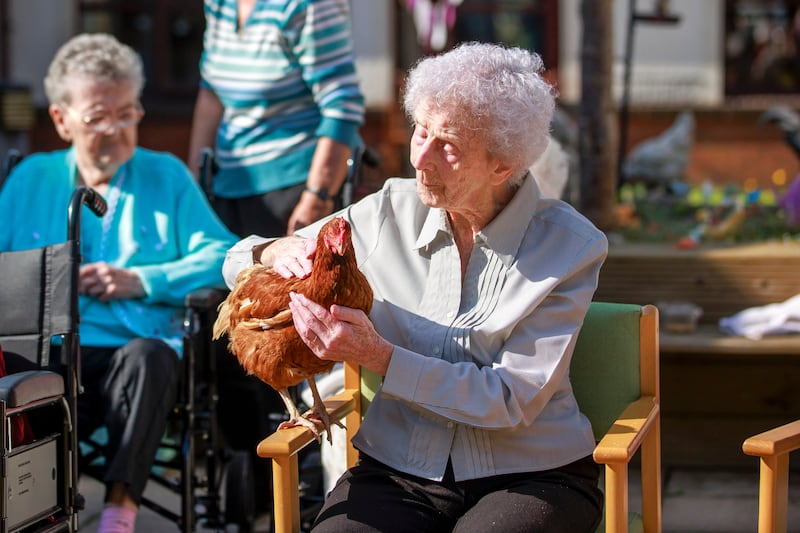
637,427
773,448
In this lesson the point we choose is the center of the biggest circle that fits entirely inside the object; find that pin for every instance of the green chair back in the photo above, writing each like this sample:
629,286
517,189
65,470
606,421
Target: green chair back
370,383
605,365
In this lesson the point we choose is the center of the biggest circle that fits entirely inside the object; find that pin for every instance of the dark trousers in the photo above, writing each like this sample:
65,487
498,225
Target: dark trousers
131,391
372,497
266,215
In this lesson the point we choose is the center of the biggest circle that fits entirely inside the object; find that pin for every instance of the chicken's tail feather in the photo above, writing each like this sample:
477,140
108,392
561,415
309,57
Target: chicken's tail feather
223,320
282,319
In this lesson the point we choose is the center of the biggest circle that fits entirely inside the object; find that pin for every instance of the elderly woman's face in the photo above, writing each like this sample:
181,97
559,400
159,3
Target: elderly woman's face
453,168
101,123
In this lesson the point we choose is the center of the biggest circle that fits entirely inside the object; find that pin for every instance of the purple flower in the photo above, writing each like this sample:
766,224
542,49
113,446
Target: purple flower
790,203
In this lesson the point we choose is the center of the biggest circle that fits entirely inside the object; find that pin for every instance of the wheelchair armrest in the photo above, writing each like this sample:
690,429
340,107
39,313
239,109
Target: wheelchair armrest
22,388
205,298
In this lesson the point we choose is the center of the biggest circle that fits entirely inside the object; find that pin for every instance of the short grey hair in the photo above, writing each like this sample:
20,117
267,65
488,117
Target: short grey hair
97,57
495,90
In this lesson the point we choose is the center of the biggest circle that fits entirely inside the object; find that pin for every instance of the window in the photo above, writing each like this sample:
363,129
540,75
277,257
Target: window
762,47
169,36
530,24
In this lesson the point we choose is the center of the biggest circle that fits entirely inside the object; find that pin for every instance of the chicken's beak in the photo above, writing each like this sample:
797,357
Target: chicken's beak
338,247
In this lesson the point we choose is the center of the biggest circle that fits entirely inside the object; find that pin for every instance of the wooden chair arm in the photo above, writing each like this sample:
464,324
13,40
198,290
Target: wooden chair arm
626,435
637,426
777,441
289,441
282,447
773,448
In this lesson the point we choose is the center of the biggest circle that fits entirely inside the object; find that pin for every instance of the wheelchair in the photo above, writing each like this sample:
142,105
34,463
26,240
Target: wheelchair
40,476
193,460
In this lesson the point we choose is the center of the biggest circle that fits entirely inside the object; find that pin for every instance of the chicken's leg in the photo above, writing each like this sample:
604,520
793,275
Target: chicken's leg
318,409
316,415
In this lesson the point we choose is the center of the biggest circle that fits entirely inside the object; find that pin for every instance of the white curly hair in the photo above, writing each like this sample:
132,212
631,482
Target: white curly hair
495,90
98,57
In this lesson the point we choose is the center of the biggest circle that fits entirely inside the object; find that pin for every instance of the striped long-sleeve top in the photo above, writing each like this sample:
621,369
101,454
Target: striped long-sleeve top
285,78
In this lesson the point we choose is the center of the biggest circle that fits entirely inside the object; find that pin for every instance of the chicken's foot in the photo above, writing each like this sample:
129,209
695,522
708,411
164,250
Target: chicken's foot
314,418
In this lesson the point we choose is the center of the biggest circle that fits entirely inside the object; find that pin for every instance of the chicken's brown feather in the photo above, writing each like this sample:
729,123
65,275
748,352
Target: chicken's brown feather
257,318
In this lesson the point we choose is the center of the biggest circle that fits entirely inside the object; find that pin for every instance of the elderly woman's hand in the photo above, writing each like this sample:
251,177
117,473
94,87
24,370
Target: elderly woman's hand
340,334
289,256
105,282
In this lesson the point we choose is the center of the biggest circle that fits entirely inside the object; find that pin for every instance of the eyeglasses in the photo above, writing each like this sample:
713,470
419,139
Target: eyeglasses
102,123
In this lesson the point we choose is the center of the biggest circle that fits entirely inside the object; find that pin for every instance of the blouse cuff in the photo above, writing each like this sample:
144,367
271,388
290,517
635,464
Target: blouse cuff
239,257
404,373
341,131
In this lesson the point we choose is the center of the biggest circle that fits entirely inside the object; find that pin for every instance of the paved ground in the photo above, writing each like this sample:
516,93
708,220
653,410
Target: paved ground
147,521
695,501
719,501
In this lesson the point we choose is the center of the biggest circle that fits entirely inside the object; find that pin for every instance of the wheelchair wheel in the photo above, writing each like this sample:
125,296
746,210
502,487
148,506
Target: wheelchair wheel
240,507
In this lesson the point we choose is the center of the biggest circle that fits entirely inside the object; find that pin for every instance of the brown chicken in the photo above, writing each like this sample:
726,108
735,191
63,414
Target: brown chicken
258,321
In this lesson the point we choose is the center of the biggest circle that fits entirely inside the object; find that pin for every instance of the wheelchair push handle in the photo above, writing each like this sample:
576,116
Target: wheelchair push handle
90,197
208,167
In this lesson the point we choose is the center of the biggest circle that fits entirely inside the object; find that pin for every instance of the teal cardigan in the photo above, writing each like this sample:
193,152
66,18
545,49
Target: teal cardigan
160,226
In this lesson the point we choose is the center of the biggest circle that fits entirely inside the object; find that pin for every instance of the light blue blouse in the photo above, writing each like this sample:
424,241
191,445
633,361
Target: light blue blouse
480,369
159,224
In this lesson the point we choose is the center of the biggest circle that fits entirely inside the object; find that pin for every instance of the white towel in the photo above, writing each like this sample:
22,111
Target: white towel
773,319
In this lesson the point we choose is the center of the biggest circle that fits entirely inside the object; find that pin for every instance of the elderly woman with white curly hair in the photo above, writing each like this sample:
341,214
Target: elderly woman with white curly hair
158,241
481,286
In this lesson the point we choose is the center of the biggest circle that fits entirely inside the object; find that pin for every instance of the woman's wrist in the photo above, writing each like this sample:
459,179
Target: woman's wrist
258,252
320,192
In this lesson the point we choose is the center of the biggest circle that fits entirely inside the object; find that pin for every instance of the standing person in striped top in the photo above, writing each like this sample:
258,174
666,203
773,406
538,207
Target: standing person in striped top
280,104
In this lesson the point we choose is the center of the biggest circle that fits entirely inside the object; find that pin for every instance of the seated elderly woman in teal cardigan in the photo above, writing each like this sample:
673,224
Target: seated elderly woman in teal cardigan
158,241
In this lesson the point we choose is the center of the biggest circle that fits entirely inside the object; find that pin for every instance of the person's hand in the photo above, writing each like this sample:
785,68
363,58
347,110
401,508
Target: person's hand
290,256
308,210
340,334
105,282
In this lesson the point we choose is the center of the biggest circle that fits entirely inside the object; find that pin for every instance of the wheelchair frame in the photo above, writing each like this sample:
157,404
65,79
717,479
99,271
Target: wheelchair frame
42,500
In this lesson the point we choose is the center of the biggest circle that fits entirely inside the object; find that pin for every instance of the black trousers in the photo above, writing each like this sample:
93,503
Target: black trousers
266,215
372,497
131,391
